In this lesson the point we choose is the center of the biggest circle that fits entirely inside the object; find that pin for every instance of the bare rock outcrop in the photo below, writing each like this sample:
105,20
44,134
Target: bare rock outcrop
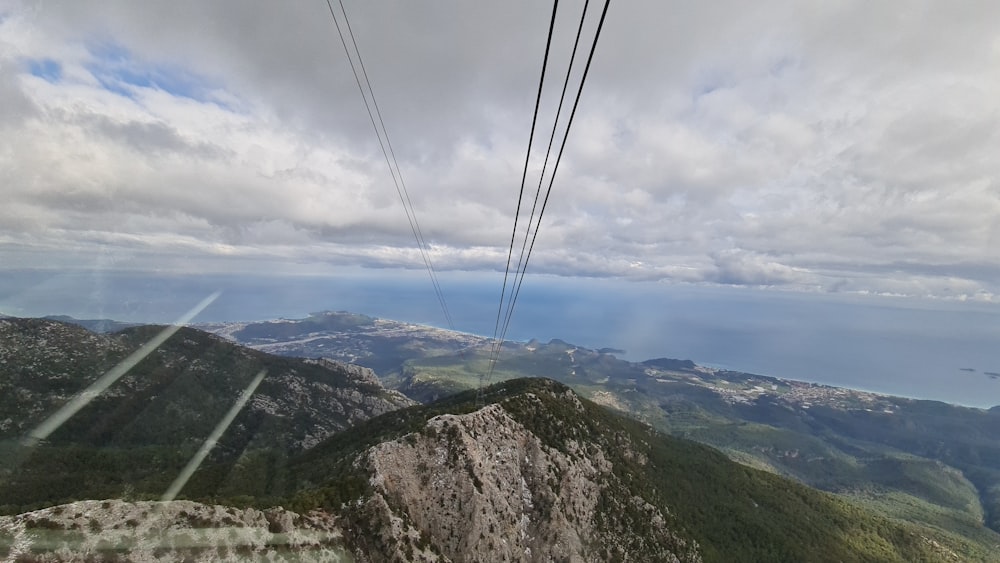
168,531
331,409
481,487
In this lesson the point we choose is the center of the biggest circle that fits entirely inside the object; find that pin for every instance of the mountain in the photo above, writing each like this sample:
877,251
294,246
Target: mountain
922,461
670,364
162,409
181,389
531,468
93,325
914,461
528,471
289,447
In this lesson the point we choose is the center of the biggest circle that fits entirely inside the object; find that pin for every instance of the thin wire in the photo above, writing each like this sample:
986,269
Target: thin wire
390,158
562,147
421,240
524,176
541,178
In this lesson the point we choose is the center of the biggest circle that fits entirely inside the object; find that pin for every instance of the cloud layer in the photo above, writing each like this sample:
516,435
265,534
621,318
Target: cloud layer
814,146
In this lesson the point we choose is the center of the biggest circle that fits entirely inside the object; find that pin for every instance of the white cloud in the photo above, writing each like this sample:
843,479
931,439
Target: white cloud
844,147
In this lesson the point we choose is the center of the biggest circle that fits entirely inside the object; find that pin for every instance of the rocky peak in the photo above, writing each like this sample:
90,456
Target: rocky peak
356,372
482,487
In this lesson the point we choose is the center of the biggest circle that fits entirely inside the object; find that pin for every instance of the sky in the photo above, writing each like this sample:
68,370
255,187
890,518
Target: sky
807,146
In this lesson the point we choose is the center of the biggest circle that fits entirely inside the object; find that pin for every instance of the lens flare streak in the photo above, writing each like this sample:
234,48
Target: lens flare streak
43,430
213,439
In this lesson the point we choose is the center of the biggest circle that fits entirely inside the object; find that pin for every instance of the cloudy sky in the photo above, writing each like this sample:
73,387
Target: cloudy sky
819,146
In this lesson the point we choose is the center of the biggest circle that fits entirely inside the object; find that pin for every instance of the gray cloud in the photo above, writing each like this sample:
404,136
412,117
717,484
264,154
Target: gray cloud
816,146
17,107
144,137
735,267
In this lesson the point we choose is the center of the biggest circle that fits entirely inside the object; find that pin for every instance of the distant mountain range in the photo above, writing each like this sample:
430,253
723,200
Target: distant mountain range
530,469
93,325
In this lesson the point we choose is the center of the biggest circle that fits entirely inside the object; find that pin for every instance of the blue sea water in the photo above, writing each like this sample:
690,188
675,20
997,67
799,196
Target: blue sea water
913,348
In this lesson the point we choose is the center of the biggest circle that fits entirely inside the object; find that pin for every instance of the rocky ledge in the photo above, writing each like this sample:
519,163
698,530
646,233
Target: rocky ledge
113,530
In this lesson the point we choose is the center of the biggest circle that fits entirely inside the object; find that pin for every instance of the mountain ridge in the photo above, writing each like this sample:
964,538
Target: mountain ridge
257,470
152,420
690,486
69,358
832,438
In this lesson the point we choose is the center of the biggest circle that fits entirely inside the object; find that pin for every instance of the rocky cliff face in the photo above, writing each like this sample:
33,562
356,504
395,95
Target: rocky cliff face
168,531
481,487
332,408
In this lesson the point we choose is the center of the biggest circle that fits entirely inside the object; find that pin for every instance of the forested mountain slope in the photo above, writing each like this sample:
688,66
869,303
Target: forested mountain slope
160,412
530,470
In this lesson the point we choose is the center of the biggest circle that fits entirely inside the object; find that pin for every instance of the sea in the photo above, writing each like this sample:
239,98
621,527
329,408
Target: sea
919,348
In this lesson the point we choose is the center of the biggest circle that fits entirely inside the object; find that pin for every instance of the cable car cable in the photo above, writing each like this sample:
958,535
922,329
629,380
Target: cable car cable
524,175
404,196
541,178
555,168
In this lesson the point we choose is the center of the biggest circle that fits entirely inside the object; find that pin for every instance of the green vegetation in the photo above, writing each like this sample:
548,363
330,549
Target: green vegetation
834,439
916,479
176,395
147,425
941,458
734,512
59,474
768,518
